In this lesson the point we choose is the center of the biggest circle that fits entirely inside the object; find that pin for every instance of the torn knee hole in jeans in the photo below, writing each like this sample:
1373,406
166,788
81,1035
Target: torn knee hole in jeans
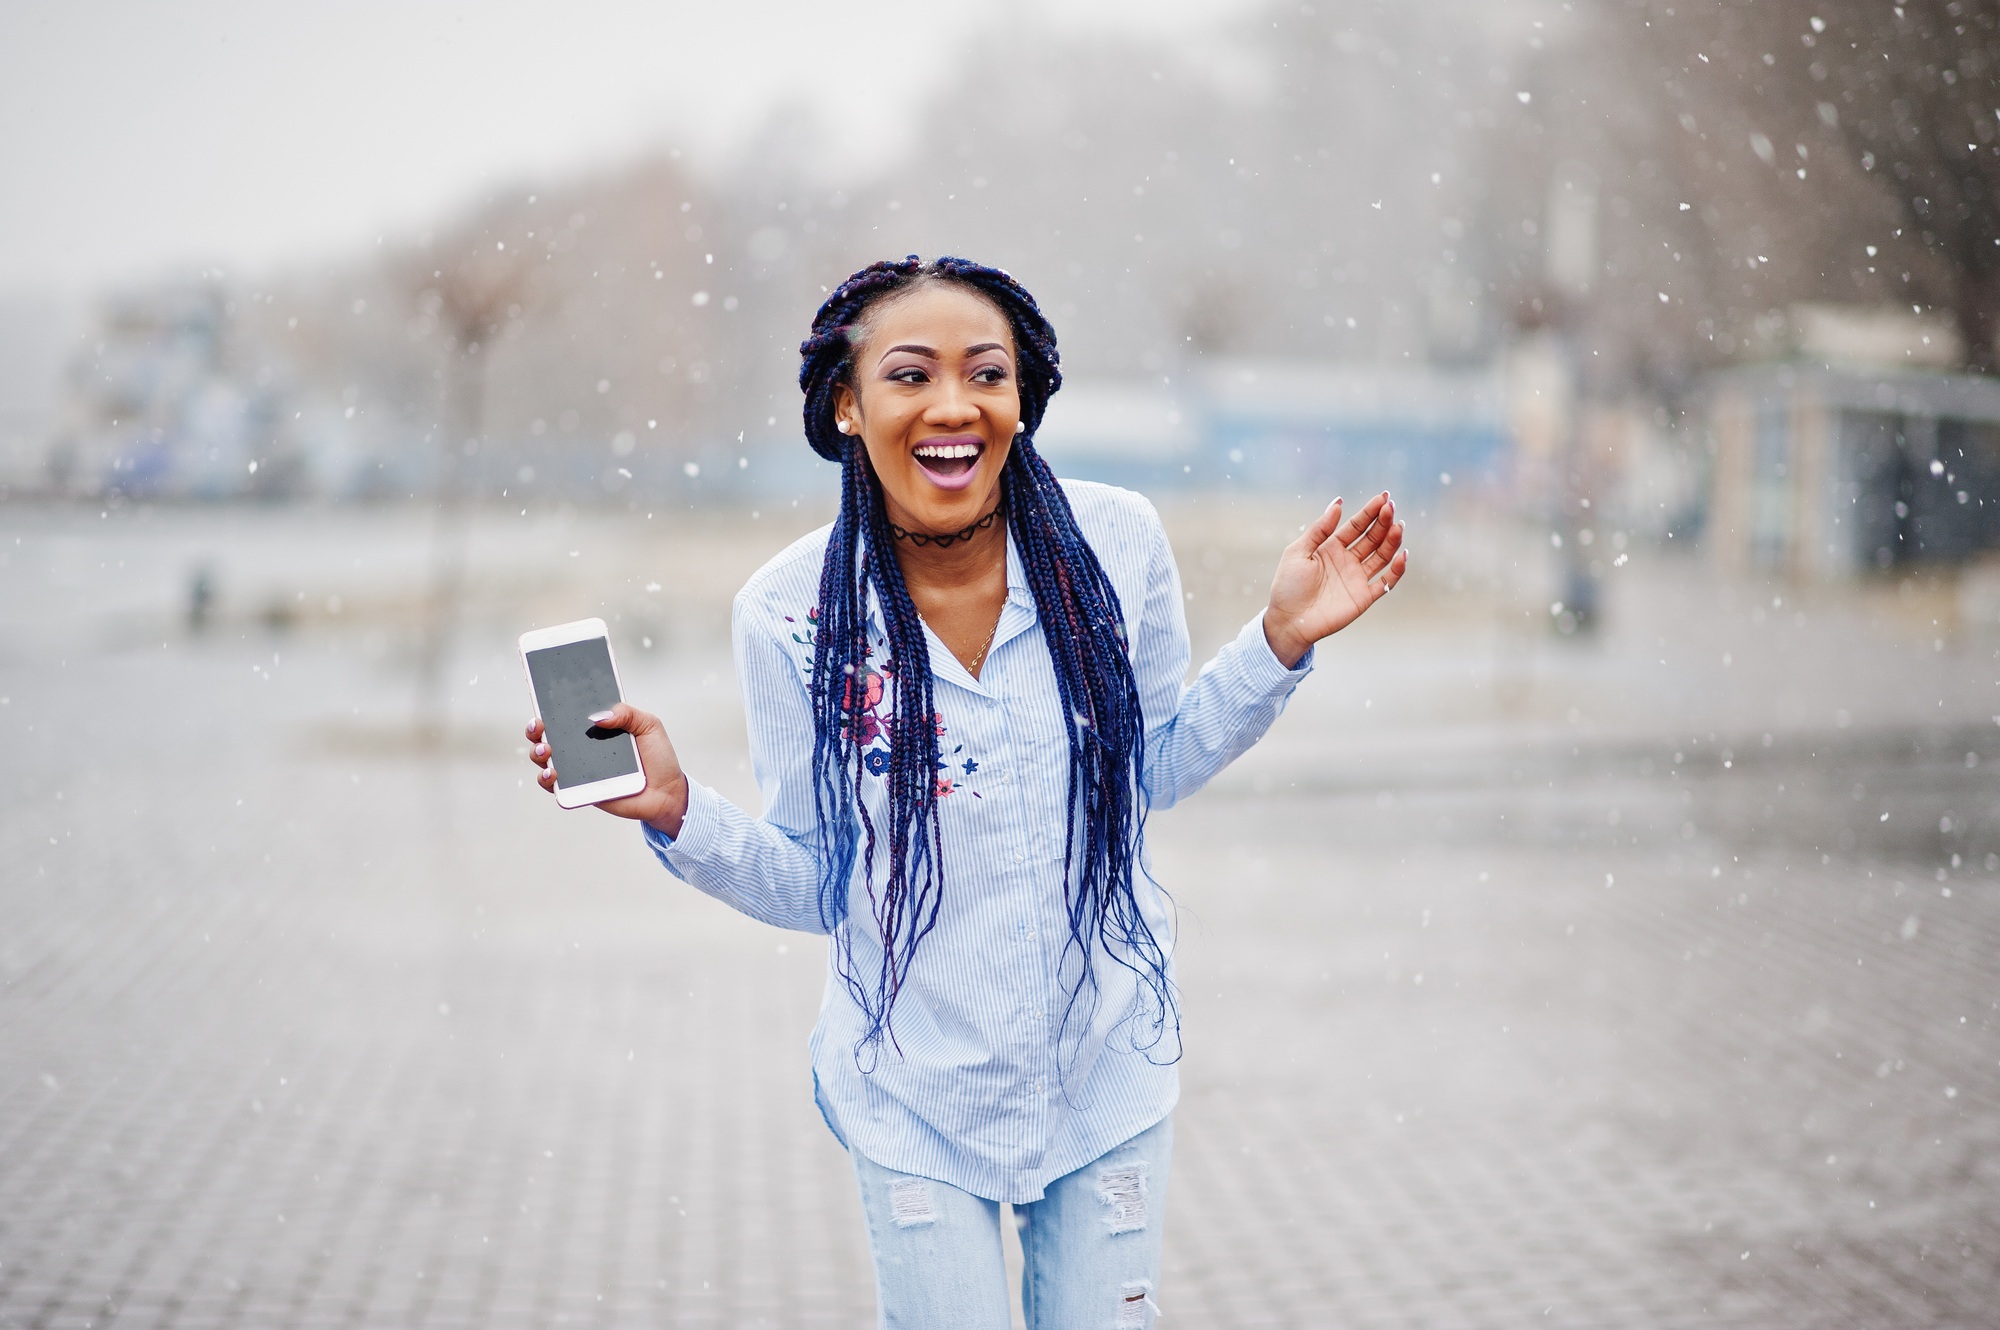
1123,1189
910,1202
1133,1300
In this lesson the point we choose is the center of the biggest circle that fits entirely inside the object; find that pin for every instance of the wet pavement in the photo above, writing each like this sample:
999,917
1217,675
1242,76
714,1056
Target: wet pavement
1644,981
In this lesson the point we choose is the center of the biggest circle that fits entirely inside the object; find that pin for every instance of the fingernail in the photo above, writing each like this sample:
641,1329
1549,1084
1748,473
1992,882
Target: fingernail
598,717
541,750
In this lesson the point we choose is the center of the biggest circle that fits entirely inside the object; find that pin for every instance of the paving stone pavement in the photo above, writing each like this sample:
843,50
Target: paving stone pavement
303,1026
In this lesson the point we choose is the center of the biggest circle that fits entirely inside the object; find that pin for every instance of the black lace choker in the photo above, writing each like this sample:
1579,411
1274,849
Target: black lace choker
943,542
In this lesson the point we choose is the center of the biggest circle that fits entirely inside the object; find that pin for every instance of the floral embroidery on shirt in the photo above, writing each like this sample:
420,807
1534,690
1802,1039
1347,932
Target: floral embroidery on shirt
956,769
811,626
875,724
874,727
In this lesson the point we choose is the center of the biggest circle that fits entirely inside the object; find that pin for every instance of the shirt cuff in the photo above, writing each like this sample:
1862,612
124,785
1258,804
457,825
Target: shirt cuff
697,829
1263,670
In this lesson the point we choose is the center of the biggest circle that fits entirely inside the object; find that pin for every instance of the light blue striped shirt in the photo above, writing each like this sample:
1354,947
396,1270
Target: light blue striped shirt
974,1091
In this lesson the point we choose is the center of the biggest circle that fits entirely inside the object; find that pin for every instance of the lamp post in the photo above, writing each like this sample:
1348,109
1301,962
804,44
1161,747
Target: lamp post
1571,266
475,294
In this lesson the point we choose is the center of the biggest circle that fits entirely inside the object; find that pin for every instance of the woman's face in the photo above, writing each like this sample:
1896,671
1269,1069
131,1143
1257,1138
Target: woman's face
935,401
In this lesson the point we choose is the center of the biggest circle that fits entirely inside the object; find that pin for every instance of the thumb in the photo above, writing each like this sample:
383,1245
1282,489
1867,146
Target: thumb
619,717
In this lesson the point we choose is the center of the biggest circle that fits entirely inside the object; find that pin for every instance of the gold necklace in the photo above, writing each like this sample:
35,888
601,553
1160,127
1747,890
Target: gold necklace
973,668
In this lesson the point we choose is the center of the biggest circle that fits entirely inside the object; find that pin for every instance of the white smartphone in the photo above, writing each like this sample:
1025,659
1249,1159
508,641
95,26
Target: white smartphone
571,674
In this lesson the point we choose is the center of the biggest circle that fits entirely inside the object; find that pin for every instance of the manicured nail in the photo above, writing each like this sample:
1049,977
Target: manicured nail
541,750
598,717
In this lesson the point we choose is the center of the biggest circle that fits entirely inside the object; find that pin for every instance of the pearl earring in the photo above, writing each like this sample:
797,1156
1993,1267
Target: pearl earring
1020,427
840,425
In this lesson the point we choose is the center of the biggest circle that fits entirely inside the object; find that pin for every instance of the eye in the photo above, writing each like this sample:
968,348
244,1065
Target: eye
908,374
990,374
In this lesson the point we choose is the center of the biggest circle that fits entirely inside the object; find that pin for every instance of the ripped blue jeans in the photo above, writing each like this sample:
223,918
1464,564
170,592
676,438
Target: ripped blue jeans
1091,1245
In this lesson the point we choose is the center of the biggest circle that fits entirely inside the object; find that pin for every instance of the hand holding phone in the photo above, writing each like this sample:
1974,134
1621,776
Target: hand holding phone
592,747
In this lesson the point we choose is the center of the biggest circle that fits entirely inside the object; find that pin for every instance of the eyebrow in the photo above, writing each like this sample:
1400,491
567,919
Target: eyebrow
915,349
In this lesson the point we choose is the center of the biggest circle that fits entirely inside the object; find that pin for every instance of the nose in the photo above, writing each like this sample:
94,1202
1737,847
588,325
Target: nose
951,406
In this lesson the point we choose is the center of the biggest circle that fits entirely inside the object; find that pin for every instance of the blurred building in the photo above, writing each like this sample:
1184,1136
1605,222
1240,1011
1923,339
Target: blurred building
1138,435
1862,451
37,332
1286,426
155,407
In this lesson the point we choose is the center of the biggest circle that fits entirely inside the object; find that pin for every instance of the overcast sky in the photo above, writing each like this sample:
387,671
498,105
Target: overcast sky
246,133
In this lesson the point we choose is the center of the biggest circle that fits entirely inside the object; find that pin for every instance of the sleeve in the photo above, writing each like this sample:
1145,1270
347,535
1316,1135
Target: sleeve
1195,731
767,867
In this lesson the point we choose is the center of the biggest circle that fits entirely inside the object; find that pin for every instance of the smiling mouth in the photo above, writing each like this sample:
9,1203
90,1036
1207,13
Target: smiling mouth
949,460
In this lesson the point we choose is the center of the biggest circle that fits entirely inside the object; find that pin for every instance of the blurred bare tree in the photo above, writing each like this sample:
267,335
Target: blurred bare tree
1660,182
1912,93
1750,156
474,289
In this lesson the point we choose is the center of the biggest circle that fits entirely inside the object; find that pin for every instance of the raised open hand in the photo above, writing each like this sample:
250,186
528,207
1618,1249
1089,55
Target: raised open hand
1332,573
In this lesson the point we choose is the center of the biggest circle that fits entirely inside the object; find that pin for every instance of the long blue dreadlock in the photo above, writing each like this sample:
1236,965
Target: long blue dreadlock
1083,624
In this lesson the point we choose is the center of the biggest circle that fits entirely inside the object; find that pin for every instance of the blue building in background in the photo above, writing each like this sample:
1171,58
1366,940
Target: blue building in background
158,406
1285,426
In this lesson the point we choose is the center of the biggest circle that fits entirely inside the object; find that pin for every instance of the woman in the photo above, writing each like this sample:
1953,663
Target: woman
963,697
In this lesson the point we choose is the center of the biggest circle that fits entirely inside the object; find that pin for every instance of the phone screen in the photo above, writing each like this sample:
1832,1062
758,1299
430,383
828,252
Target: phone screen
571,681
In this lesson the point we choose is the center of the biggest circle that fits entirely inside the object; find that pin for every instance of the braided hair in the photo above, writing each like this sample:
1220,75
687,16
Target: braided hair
1084,626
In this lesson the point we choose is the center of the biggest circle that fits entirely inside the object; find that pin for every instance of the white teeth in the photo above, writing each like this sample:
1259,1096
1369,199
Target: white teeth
947,450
